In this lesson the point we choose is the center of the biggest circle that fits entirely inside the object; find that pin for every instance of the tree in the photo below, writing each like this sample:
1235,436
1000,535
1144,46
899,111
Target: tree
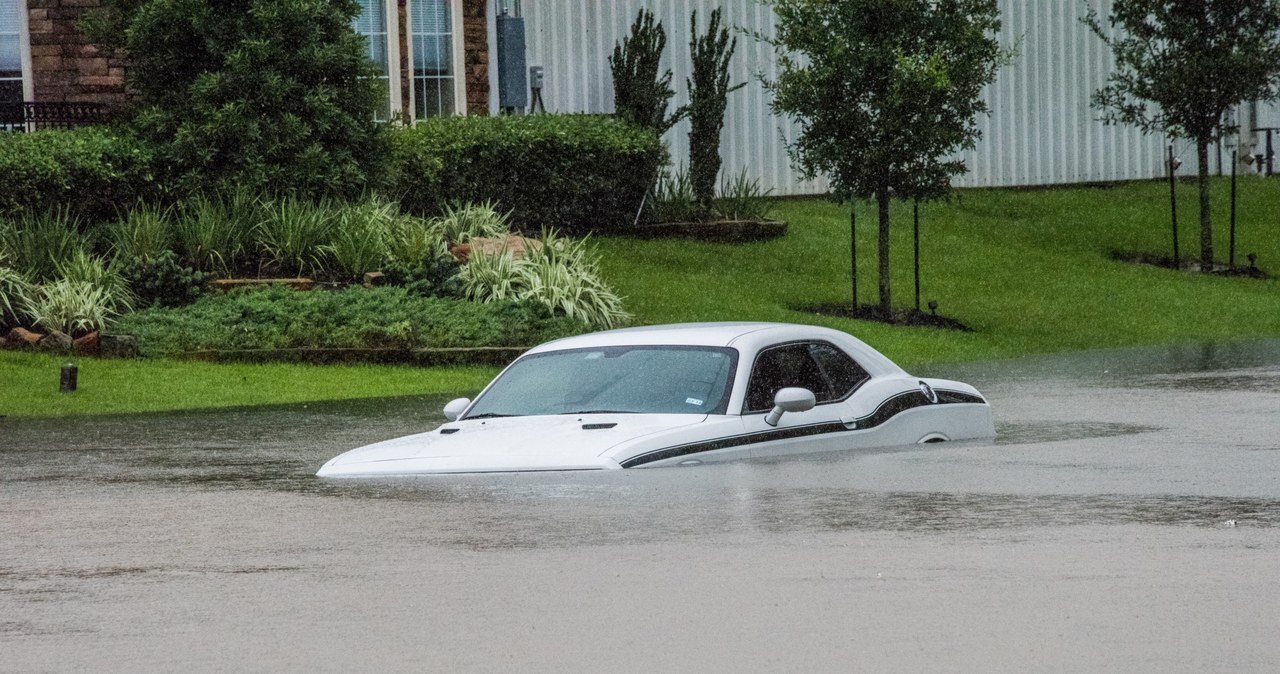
884,93
268,94
708,97
640,95
1181,64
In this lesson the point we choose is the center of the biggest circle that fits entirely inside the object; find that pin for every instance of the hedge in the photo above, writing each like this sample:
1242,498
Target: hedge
91,171
571,172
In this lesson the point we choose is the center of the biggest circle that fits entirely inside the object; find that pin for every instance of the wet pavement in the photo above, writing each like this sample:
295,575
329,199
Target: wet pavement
1126,518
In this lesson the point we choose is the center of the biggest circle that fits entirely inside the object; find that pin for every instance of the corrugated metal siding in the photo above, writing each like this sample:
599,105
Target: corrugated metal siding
1041,130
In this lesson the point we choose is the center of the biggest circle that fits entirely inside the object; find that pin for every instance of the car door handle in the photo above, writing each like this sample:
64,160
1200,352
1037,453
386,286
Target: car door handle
850,422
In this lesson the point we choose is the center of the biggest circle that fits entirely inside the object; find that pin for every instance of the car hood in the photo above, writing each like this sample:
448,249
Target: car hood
562,442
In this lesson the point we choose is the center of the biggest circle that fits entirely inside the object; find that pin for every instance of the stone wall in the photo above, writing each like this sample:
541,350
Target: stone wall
65,68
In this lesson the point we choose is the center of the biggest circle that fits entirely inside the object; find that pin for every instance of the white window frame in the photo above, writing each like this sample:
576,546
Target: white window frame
390,9
24,50
459,61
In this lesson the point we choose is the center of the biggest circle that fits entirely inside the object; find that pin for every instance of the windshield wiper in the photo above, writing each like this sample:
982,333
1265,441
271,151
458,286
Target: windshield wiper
600,412
487,415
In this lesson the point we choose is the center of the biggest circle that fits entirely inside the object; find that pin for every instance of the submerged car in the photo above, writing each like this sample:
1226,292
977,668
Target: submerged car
677,395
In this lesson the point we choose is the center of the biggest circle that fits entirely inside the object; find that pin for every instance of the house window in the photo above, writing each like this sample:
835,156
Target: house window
373,24
433,47
13,86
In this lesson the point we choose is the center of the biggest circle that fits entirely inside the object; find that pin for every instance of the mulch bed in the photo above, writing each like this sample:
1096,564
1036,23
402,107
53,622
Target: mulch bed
725,231
870,312
1188,264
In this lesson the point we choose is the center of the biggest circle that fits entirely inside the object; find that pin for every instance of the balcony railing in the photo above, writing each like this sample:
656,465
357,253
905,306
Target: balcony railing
25,116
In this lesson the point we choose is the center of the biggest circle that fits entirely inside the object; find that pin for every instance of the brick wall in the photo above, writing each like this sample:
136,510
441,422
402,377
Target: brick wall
475,44
65,68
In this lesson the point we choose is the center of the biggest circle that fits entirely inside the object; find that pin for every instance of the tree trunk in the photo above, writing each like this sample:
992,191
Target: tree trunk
882,198
1206,225
853,250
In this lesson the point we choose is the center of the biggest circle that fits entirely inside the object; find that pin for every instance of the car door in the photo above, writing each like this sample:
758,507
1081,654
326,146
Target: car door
826,370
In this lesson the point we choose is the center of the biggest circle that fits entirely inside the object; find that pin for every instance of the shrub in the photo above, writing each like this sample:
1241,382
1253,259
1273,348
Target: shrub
742,199
293,233
82,267
563,275
278,318
413,240
571,172
145,232
640,94
72,307
90,172
673,198
15,293
464,222
433,276
213,234
163,281
40,242
360,242
275,95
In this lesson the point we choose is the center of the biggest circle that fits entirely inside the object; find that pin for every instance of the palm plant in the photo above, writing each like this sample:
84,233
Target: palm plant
293,234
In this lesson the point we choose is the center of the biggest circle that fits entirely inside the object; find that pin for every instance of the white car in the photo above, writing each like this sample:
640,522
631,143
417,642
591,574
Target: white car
680,395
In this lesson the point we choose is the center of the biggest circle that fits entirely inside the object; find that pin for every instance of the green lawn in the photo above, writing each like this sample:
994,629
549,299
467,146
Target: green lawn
1028,270
115,386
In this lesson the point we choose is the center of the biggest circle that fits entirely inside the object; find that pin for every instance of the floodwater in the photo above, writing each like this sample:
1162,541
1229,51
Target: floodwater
1127,518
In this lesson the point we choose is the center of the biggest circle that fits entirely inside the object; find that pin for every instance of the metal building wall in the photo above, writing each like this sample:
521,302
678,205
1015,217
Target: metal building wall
1041,130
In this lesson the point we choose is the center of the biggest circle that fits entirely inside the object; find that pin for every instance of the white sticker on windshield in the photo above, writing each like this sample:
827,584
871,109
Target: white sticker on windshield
693,401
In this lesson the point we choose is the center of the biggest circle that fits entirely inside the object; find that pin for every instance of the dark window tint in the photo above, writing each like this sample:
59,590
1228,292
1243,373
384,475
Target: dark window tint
821,368
841,371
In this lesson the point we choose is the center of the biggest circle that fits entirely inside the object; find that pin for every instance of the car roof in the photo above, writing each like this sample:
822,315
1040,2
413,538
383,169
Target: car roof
747,337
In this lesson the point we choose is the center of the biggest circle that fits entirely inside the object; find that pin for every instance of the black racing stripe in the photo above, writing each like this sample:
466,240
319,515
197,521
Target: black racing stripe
733,441
887,410
946,396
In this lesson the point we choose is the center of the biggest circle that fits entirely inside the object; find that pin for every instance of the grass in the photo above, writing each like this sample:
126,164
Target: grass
1029,270
108,386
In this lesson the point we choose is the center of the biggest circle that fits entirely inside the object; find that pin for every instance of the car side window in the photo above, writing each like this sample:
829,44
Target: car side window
844,374
819,367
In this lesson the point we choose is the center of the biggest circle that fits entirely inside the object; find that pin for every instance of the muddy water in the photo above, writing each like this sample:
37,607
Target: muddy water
1127,518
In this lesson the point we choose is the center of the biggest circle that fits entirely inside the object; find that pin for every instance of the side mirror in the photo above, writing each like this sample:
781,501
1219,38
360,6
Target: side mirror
790,400
455,408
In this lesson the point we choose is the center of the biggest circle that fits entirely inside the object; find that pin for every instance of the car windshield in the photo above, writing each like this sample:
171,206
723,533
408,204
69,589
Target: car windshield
631,379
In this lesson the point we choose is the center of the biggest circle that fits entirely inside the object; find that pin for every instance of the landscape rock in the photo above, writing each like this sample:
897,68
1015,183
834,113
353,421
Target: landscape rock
22,337
516,244
4,343
56,342
118,346
375,278
88,345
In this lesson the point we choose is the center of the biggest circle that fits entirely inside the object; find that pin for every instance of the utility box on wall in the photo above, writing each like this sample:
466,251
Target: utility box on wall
513,83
